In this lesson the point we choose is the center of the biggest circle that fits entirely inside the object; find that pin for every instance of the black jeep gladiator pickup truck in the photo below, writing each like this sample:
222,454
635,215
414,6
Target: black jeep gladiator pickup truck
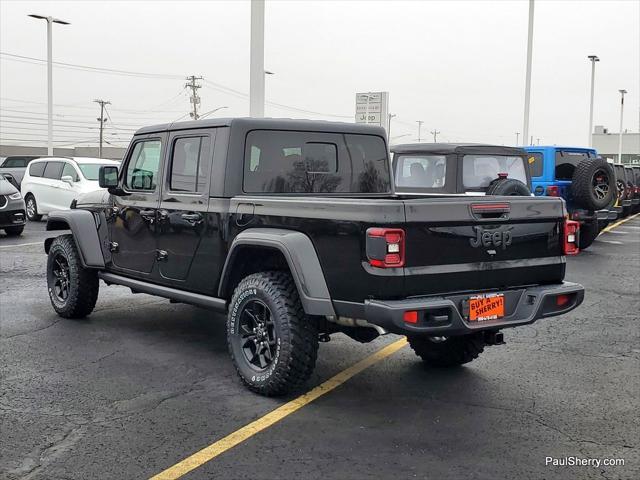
292,229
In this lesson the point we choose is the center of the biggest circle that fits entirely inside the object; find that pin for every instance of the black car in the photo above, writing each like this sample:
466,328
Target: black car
12,210
292,229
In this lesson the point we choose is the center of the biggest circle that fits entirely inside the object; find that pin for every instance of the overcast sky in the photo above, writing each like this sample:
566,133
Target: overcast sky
459,66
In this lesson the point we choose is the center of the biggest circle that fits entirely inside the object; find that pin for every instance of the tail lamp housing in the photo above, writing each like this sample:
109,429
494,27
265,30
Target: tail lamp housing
570,234
553,191
385,247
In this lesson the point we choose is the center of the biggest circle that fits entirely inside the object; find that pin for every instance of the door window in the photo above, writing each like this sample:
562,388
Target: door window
70,171
53,170
534,160
189,164
37,169
142,169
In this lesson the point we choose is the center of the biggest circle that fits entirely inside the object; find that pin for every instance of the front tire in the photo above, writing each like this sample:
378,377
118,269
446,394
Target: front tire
32,208
73,289
447,351
14,231
272,342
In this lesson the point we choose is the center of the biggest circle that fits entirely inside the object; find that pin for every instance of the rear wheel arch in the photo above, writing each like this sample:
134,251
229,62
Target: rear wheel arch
261,249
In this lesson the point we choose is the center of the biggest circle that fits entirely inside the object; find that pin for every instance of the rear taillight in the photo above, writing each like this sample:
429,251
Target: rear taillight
570,234
553,191
385,247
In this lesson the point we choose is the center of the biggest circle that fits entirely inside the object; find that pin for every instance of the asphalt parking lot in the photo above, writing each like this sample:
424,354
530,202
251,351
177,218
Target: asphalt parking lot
143,383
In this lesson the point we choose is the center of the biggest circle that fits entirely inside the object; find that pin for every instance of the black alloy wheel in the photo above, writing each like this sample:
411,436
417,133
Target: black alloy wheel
258,334
601,184
60,274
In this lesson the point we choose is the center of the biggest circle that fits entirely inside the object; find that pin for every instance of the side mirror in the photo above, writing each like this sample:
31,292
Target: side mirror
108,176
67,179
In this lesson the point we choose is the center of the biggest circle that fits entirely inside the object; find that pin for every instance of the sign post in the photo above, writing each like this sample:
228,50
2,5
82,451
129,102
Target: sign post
373,108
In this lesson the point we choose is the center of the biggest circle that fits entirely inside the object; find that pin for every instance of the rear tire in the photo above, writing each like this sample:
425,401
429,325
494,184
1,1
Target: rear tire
447,352
588,233
14,231
272,342
73,289
509,187
32,208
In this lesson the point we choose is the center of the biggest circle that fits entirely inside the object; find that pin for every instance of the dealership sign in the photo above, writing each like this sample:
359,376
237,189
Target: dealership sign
373,108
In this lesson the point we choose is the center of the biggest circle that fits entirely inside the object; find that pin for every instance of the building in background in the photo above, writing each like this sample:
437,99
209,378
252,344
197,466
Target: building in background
111,153
606,143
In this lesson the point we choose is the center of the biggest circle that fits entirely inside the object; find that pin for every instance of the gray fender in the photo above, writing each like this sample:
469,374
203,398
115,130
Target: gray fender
85,234
301,257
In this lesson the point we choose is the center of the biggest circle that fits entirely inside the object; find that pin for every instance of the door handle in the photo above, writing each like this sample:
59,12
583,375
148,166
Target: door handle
192,217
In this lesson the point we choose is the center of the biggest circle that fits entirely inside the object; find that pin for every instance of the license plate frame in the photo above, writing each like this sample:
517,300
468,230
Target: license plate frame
486,307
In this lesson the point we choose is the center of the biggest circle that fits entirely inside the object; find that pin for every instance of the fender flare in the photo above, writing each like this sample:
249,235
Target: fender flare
301,257
85,234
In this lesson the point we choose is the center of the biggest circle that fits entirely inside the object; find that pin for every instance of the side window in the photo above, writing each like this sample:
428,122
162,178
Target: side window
69,170
53,170
425,171
189,164
15,162
534,159
313,162
143,166
37,169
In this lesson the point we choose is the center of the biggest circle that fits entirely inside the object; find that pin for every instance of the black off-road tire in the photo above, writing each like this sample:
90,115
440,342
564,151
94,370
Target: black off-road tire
508,187
83,285
588,233
14,231
449,352
583,180
296,334
35,216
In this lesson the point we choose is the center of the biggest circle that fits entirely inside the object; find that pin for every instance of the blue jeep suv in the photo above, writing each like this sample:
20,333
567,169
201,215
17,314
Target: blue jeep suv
583,179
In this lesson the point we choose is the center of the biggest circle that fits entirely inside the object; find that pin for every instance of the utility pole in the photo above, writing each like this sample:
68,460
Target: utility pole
517,138
622,92
527,83
419,122
593,59
435,135
531,140
390,116
102,121
195,99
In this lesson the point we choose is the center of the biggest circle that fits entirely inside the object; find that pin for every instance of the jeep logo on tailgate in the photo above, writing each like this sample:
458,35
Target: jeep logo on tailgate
490,238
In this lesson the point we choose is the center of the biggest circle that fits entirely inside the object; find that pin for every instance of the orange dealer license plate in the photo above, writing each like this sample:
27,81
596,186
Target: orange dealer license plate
486,307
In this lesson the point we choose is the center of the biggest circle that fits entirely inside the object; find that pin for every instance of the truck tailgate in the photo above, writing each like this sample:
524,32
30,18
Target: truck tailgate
482,243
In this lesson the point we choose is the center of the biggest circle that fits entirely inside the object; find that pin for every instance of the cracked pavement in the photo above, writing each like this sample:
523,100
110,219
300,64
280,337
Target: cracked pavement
143,383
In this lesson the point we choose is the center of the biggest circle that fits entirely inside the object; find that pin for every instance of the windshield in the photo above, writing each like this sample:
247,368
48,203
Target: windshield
90,171
421,171
479,170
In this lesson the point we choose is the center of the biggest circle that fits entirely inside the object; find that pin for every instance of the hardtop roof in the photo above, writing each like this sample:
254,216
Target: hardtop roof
246,123
448,148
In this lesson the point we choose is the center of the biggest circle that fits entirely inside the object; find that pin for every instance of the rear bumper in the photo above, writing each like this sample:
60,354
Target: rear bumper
442,316
635,201
626,203
588,216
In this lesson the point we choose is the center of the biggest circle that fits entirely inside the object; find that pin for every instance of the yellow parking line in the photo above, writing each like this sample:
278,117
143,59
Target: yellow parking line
212,451
611,227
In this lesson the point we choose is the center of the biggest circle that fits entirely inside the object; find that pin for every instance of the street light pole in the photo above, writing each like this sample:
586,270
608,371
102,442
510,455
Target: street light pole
419,122
50,22
517,138
256,62
527,85
593,59
622,92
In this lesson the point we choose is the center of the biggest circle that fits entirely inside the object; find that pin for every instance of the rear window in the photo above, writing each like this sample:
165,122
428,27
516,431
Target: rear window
314,162
534,159
421,171
15,163
478,171
567,161
53,170
37,169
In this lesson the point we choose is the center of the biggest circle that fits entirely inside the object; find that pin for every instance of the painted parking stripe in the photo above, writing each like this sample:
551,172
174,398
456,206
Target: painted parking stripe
613,242
212,451
21,245
625,220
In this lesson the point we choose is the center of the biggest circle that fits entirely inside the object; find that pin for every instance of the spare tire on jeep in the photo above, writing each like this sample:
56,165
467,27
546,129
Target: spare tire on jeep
509,187
593,184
